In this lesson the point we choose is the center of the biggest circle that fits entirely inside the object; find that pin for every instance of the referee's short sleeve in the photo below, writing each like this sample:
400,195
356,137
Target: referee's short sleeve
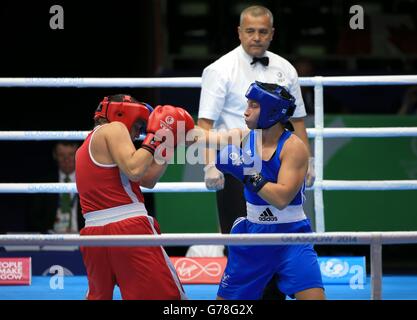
213,94
295,90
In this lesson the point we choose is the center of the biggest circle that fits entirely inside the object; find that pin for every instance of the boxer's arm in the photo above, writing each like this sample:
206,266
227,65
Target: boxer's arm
301,131
217,139
154,172
133,163
205,125
294,162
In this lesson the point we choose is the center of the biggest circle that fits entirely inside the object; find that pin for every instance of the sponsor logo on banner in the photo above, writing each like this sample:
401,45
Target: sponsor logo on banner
334,270
199,270
15,271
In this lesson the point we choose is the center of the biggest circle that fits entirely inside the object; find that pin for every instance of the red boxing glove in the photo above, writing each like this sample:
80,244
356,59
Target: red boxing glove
189,121
162,127
189,124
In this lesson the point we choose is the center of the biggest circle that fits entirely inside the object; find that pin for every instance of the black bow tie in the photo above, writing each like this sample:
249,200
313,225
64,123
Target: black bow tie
263,60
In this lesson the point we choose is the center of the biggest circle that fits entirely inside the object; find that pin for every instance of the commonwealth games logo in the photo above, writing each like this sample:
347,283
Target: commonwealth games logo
334,268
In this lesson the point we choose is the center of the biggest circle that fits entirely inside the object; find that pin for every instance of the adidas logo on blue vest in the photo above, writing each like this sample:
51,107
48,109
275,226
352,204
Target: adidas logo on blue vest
267,215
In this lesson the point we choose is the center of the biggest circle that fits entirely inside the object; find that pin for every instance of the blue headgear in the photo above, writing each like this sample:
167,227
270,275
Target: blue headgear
277,104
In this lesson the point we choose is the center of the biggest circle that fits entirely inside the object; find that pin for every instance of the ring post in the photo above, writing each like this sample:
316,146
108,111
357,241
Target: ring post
318,153
376,266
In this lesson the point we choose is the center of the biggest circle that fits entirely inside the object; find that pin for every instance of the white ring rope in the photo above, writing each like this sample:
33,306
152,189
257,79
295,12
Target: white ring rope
185,239
42,135
319,132
72,188
362,185
368,185
375,239
393,132
193,82
185,82
383,132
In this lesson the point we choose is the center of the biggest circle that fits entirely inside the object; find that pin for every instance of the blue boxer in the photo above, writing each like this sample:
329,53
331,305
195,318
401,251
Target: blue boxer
250,268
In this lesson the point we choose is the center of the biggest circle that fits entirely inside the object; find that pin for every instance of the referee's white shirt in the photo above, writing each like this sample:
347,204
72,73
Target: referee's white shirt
225,82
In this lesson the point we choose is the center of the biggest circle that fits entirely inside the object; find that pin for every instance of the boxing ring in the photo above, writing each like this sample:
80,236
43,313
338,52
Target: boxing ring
374,239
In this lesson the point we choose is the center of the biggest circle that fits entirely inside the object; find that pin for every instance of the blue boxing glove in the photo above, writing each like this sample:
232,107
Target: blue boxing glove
242,166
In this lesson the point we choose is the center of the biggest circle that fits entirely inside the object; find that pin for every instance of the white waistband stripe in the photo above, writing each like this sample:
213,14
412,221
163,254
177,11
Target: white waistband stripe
106,216
270,214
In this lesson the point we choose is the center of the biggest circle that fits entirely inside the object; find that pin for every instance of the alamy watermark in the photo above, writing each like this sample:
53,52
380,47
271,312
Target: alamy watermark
57,278
198,141
57,20
357,20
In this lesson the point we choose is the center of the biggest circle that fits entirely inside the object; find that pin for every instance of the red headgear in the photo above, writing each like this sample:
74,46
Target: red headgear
127,111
